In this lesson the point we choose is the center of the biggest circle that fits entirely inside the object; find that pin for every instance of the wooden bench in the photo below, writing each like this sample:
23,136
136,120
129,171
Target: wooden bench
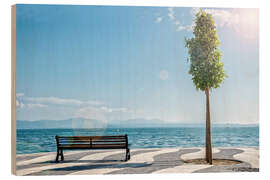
91,142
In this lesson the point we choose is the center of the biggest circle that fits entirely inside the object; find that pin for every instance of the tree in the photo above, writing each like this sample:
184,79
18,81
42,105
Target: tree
206,68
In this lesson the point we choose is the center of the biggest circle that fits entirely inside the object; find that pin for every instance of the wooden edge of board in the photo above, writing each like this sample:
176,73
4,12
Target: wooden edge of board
13,89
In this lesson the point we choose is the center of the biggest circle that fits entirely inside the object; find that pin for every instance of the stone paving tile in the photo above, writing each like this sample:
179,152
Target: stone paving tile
161,161
225,153
84,160
132,153
28,157
72,169
173,157
143,161
110,161
198,154
250,155
224,168
183,169
68,158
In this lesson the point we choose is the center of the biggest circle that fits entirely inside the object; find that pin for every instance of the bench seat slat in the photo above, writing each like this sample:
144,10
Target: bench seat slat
93,141
92,137
85,139
92,146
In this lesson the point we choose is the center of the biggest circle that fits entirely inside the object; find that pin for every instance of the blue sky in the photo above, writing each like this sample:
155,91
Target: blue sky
116,63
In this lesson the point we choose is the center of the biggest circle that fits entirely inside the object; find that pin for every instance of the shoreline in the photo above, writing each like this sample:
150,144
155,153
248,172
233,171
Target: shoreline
141,148
172,126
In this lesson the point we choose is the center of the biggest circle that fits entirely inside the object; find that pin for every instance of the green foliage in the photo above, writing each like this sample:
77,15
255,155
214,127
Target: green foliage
206,67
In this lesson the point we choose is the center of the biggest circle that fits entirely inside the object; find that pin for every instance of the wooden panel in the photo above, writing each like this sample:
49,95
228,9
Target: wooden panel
100,141
108,145
74,146
13,89
88,141
93,137
92,142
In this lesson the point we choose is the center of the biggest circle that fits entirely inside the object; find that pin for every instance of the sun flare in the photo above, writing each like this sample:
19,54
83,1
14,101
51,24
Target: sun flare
248,23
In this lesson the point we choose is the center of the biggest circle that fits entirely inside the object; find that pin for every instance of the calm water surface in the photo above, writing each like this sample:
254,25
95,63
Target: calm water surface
43,140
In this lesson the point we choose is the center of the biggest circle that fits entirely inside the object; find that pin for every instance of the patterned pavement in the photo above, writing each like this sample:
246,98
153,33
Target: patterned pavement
143,161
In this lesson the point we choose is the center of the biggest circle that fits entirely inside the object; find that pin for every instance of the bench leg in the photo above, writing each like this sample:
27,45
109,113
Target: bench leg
127,155
57,155
62,155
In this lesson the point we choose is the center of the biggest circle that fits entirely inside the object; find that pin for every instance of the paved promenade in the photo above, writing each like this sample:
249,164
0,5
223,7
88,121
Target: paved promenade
143,161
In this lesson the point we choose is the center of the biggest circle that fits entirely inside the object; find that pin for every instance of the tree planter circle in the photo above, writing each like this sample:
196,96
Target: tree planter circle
215,162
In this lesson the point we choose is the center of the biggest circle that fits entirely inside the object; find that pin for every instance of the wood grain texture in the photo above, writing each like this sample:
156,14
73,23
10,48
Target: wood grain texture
13,89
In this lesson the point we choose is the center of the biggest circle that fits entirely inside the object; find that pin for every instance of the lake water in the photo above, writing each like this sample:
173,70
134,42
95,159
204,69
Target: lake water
43,140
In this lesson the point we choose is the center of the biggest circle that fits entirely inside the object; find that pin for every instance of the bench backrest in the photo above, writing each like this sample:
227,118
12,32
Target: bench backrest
92,140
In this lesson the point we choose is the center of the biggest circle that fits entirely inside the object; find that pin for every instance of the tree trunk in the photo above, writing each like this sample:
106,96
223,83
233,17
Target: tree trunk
208,144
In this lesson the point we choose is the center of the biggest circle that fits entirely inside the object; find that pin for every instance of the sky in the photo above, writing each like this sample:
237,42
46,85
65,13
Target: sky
113,63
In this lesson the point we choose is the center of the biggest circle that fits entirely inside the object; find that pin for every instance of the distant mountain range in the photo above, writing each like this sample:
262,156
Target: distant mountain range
86,123
76,123
67,124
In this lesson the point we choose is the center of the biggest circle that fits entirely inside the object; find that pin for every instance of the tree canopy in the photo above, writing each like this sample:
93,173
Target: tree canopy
206,68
